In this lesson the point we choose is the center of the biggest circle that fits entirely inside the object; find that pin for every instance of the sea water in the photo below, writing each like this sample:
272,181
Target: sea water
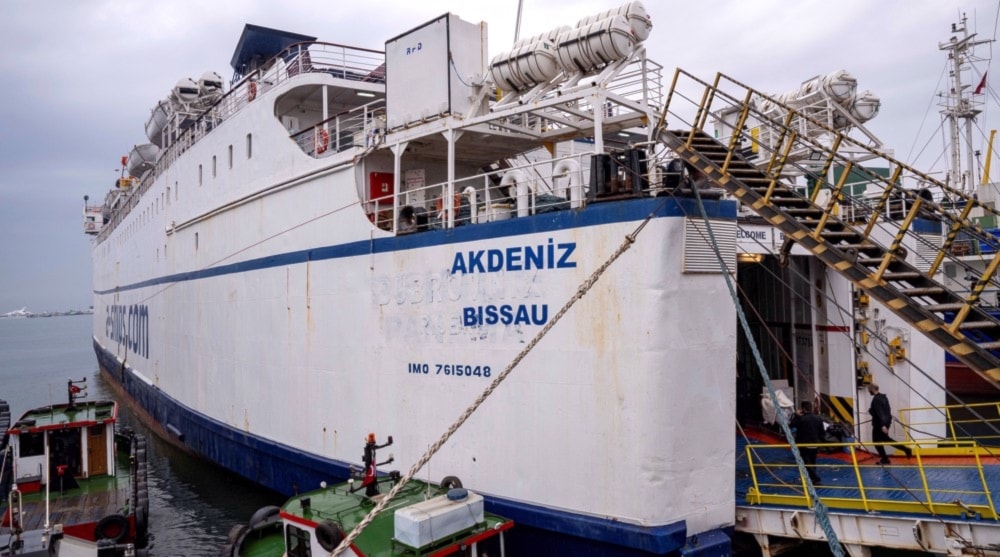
193,504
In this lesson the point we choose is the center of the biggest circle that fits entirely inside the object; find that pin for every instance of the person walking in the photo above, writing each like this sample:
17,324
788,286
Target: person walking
881,414
809,429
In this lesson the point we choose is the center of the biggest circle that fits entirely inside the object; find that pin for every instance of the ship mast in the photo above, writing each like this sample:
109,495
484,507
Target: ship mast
959,106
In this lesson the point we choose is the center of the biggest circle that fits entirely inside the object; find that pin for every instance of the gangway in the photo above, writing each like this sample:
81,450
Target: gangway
932,504
859,236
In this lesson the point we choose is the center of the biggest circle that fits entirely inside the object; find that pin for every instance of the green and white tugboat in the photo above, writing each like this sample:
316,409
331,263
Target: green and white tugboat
70,486
422,519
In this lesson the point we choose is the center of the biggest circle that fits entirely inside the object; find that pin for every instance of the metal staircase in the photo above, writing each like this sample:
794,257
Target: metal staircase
861,237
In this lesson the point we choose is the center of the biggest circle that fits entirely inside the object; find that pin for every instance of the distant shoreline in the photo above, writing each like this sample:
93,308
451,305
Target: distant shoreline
30,315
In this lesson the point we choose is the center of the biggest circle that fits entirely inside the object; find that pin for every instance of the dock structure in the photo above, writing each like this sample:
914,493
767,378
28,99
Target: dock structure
936,504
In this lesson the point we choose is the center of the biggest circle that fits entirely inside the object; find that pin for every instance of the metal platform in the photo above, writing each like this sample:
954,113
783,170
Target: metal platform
938,505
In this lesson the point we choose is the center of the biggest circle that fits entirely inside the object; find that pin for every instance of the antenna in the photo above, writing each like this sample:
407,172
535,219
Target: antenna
517,25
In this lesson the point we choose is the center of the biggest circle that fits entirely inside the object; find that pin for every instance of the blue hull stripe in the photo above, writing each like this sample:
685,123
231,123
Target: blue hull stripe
596,214
287,470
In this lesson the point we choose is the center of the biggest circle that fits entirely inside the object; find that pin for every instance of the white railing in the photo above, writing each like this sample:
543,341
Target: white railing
344,62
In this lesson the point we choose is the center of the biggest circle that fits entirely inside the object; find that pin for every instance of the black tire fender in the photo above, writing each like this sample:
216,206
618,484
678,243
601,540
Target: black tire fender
113,527
450,482
329,535
263,514
235,533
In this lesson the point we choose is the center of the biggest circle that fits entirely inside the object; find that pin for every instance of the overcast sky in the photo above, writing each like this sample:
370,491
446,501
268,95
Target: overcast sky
78,78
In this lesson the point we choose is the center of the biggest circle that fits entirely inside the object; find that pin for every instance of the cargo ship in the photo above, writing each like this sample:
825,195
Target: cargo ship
342,240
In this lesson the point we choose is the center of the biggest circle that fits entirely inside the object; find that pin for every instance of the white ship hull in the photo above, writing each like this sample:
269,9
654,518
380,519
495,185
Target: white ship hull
248,304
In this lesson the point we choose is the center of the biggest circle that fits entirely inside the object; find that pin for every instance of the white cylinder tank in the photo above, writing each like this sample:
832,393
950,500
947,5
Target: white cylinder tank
634,12
141,159
587,48
157,120
186,91
525,66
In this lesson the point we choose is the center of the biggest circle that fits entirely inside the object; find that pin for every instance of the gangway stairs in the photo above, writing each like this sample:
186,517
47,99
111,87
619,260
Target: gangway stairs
845,231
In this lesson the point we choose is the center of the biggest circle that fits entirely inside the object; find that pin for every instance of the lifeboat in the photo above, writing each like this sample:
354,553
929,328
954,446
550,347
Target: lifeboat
185,92
158,119
210,83
141,159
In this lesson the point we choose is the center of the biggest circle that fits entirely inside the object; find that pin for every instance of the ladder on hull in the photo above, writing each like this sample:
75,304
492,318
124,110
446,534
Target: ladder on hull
842,231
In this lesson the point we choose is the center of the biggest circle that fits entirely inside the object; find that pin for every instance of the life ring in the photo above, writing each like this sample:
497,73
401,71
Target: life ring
113,527
322,141
329,535
252,91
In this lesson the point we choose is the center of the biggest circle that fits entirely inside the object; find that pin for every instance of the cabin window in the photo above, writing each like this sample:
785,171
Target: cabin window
230,156
32,444
297,542
196,241
199,175
213,166
177,190
249,145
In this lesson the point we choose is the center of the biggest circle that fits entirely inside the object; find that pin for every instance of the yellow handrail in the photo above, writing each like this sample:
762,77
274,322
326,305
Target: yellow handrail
928,486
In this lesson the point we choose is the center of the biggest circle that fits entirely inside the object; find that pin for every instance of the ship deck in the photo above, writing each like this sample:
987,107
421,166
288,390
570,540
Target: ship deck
59,415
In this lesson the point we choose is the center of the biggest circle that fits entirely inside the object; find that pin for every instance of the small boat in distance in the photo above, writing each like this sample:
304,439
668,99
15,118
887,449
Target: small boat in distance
70,486
421,520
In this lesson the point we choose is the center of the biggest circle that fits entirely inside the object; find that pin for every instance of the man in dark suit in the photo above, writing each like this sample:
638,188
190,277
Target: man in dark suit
881,414
808,430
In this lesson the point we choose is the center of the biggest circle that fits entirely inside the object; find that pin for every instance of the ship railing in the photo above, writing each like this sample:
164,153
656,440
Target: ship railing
852,479
841,174
636,89
517,190
361,126
949,430
341,61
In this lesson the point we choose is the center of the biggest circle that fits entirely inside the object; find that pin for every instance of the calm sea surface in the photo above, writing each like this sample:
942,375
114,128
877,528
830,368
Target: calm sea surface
193,504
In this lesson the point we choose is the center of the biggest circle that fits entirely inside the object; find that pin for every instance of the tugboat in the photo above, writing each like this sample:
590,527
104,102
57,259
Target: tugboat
421,520
70,485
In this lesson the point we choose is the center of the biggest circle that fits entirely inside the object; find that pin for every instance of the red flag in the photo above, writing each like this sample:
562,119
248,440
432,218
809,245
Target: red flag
369,475
981,86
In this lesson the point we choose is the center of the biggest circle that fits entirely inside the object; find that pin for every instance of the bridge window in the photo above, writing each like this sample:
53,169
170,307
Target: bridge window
32,444
297,542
